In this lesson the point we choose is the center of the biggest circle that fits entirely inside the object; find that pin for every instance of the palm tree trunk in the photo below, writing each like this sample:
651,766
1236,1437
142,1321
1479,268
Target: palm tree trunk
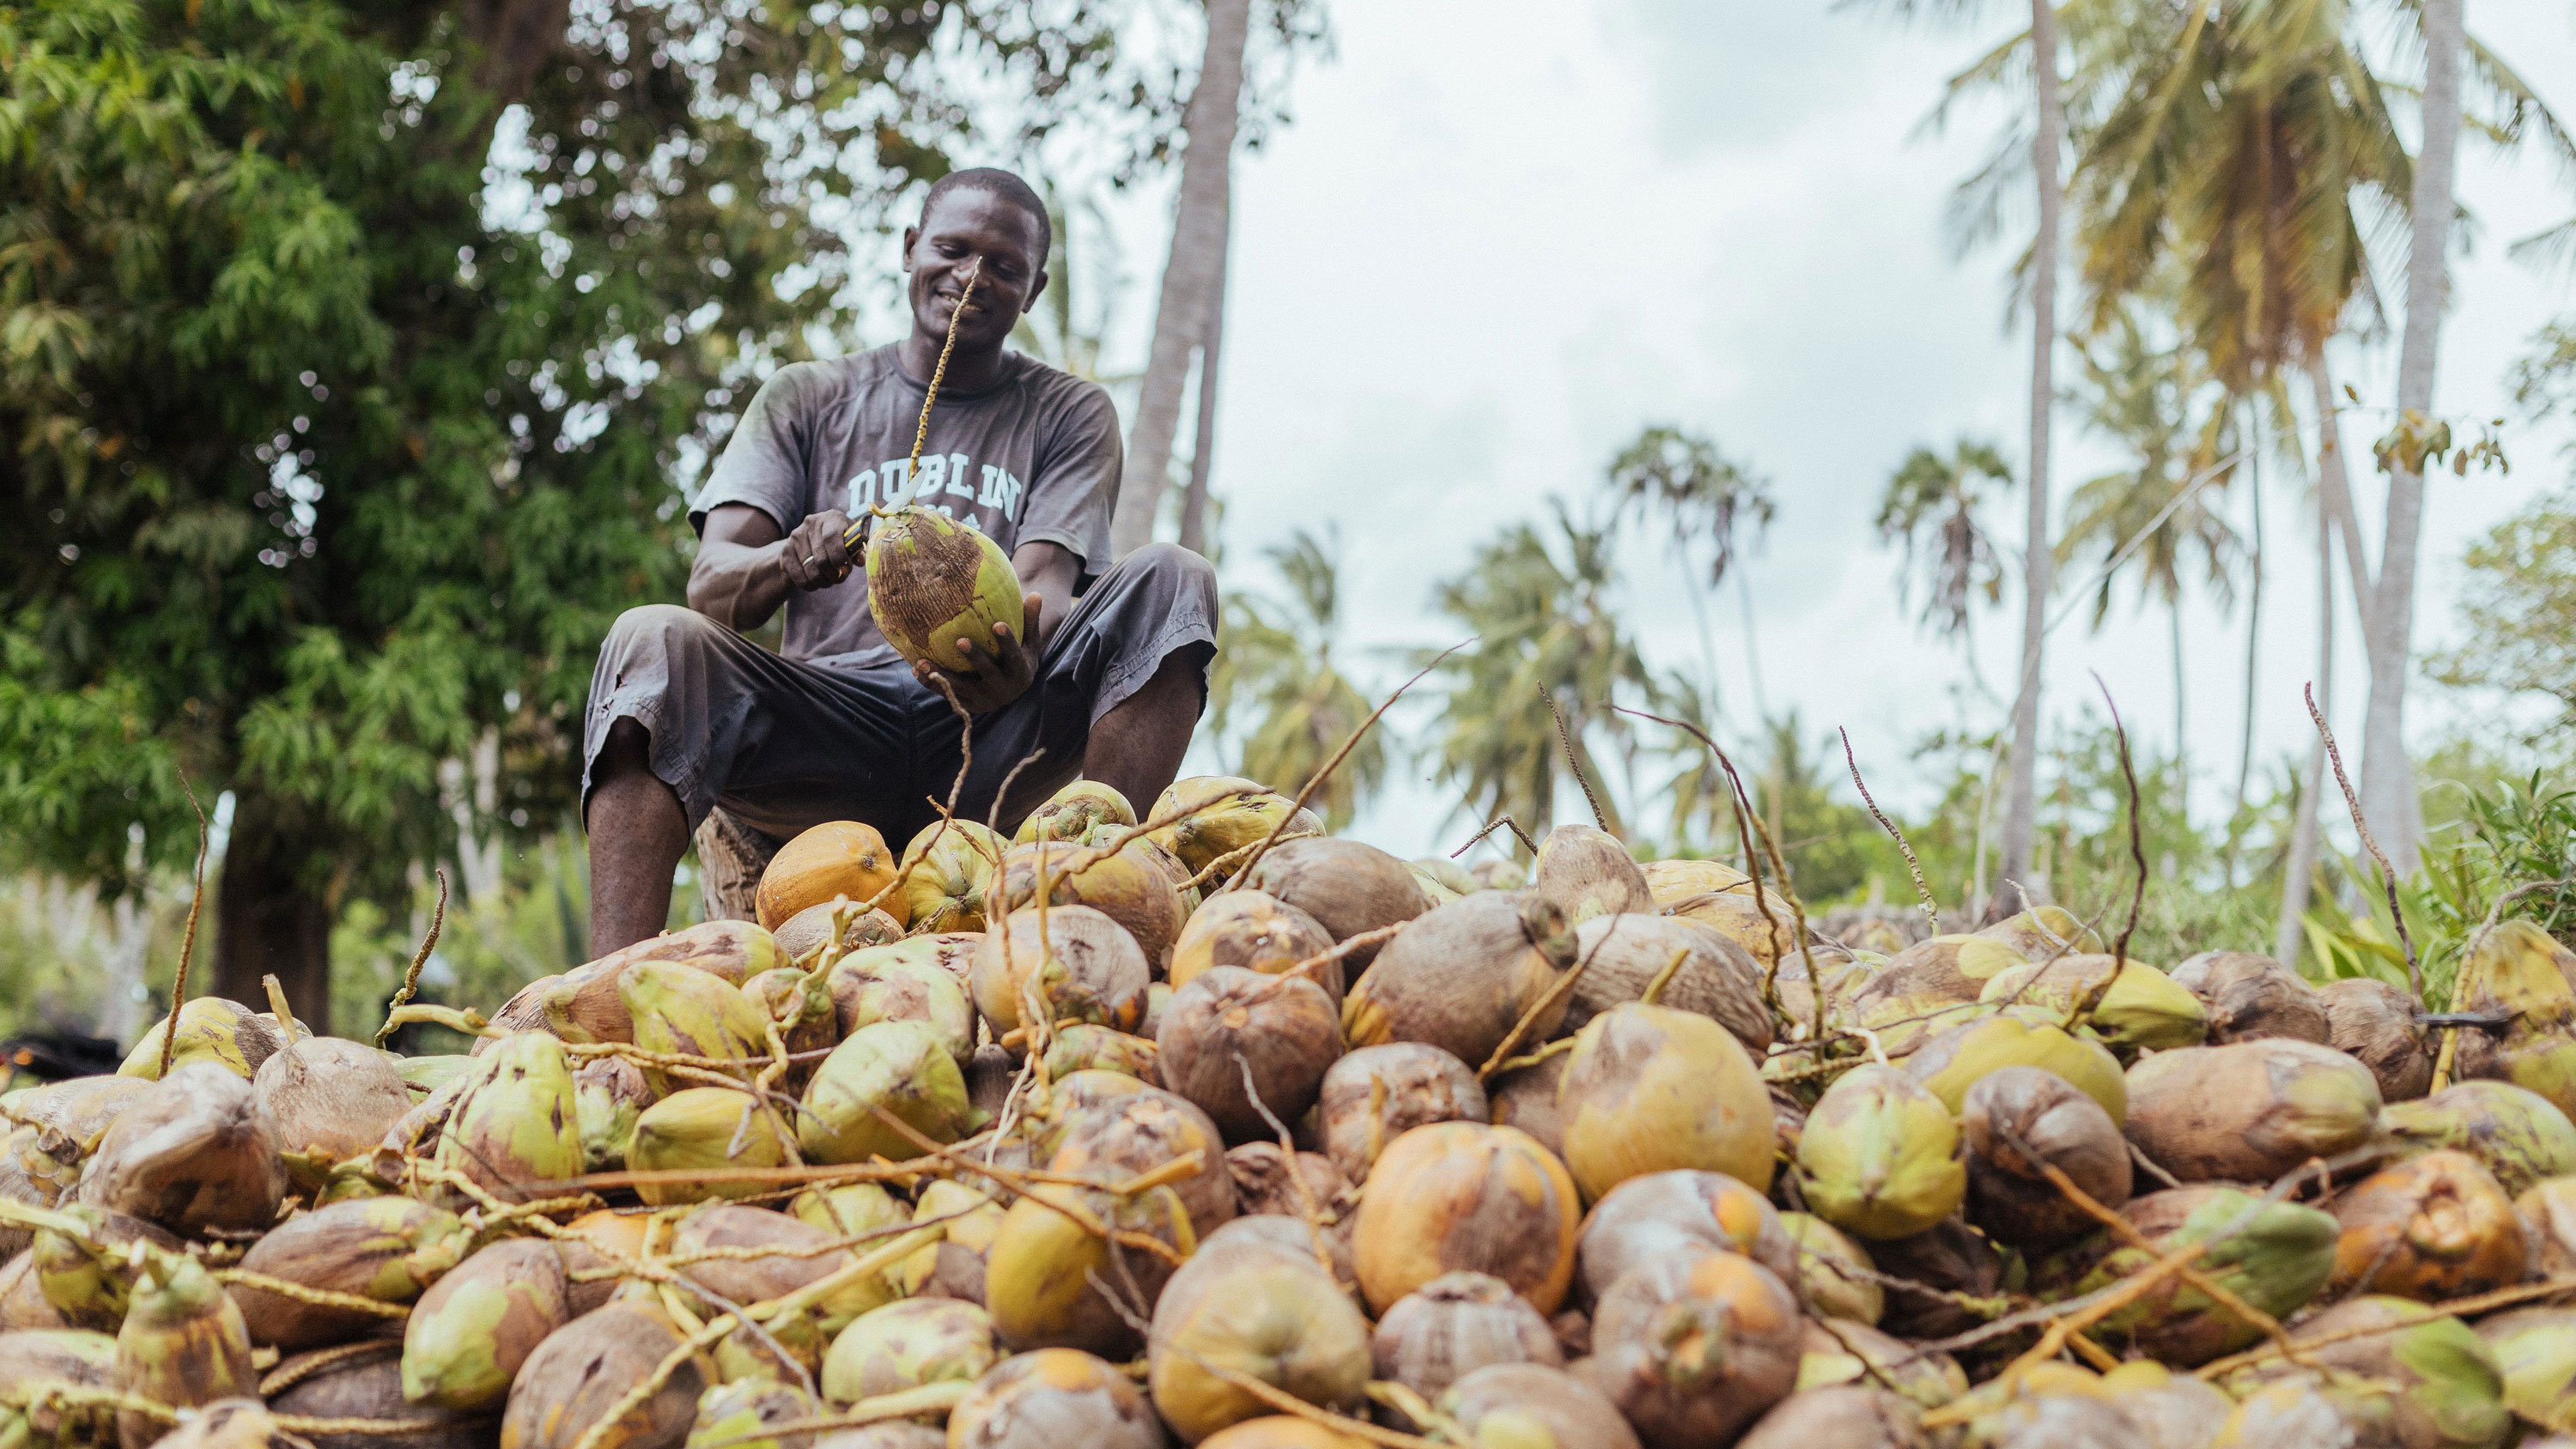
1189,277
2021,803
2298,873
1707,638
269,919
1752,650
1194,504
2182,757
2253,638
2388,798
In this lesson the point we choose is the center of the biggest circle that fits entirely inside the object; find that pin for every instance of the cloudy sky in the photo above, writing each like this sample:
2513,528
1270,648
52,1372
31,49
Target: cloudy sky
1484,254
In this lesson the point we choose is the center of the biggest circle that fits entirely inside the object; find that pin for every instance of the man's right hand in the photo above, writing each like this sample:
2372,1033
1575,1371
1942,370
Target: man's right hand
812,556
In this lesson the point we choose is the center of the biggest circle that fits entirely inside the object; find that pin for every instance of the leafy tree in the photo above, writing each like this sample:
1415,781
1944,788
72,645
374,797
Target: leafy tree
350,355
1280,661
2520,610
1705,497
2151,518
1543,629
1931,506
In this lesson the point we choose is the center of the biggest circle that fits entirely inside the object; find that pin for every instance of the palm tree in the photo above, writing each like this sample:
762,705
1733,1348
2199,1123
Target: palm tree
1544,630
1279,661
2149,517
1933,507
1704,496
1192,277
2041,49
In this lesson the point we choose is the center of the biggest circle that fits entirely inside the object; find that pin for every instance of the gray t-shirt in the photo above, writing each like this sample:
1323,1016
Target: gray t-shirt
1033,457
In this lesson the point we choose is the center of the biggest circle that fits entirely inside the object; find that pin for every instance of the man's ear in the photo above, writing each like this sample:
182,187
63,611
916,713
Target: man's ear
1037,289
911,239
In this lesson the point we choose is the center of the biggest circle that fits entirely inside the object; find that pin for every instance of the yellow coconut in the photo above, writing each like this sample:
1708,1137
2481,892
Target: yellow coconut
935,584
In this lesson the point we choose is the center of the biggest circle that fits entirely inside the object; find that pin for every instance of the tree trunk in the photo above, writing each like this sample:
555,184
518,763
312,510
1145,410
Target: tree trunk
1752,649
269,920
2388,798
2182,757
2020,800
2253,639
1189,278
2298,873
1194,504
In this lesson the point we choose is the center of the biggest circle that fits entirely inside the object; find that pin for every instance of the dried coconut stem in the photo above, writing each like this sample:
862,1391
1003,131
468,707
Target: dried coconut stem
2387,873
1556,993
305,1366
932,1398
188,940
1497,823
2461,1308
1307,1207
411,975
930,395
1913,867
1316,780
1654,992
318,1297
1745,825
1574,764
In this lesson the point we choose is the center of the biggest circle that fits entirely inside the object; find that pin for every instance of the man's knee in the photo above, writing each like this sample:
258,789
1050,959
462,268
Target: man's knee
1187,575
658,626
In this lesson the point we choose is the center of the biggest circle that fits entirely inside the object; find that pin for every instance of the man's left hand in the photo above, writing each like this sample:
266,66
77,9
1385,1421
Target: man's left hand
1005,665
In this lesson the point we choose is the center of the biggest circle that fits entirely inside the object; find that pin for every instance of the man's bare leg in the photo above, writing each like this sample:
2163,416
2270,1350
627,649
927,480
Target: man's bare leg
638,833
1137,746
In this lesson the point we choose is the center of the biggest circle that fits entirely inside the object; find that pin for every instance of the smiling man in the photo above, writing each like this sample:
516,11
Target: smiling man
1104,678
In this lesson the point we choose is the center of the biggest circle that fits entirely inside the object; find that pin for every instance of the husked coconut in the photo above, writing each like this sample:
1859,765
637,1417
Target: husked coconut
2434,1228
2018,1118
1376,1094
1622,955
1588,873
1463,976
198,1152
2249,1112
2248,996
1250,1050
1350,889
1257,932
1694,1349
2374,1023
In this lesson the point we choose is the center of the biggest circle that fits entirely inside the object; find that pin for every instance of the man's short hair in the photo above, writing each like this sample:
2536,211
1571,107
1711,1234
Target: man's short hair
995,182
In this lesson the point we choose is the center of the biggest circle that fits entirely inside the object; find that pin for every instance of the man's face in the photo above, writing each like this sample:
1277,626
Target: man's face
961,228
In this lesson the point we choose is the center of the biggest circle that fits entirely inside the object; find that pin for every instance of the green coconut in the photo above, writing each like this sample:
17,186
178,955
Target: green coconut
1652,1088
2274,1256
901,1067
2019,1036
2404,1374
704,1129
2516,1134
2143,1010
1880,1156
2519,972
908,1343
934,582
2535,1350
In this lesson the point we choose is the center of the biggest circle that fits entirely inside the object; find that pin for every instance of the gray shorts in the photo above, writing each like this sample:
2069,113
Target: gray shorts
784,744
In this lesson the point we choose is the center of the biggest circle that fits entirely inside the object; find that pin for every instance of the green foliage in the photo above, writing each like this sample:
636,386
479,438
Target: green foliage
343,409
1700,492
1542,629
2150,516
1278,660
2520,608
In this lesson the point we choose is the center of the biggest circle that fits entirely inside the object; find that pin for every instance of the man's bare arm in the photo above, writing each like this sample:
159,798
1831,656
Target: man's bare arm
745,570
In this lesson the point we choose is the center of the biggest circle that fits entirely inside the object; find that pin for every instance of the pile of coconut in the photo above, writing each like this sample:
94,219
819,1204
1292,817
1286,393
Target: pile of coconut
1212,1129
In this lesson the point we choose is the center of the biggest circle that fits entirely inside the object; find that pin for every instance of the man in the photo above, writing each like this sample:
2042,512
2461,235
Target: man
1105,677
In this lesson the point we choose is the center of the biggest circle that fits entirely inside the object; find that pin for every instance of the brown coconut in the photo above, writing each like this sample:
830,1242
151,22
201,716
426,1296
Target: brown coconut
805,932
387,1249
199,1152
1952,1259
1350,889
2044,931
2251,1111
1766,926
1250,1050
2013,1120
1526,1098
585,1368
799,1254
1376,1094
1462,977
1085,967
1623,954
1845,1416
1454,1325
1268,1183
834,860
1588,873
1462,1196
2433,1228
369,1386
1128,889
2374,1023
1692,1349
1951,968
2249,996
1676,1215
585,1251
1528,1403
1055,1398
1257,932
1144,1130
